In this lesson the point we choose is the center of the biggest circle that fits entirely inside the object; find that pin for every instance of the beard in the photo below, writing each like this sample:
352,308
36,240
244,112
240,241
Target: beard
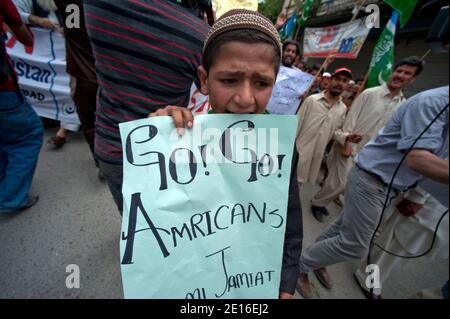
47,5
335,91
288,62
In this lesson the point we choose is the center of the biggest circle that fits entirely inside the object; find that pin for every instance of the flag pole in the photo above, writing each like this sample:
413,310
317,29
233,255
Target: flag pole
363,85
298,26
287,10
426,54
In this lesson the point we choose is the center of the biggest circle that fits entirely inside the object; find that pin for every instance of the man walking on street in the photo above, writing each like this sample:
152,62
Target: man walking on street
81,67
319,117
369,112
416,133
21,129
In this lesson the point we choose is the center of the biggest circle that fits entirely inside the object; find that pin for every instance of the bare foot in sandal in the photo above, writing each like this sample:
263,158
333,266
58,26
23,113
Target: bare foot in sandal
59,139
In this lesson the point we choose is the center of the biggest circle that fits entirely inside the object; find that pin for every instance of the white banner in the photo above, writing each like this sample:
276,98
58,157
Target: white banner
42,76
346,40
290,86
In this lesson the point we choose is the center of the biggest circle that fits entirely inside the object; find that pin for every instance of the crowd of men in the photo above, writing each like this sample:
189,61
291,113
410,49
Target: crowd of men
131,59
336,121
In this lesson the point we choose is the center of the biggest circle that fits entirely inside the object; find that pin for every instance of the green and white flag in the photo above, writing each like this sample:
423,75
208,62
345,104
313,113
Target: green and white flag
404,7
383,55
307,6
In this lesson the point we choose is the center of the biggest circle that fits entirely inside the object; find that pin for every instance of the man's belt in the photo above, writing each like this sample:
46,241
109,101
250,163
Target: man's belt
379,179
375,176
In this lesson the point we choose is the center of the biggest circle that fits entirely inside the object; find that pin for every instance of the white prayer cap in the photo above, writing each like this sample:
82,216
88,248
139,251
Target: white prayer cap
326,75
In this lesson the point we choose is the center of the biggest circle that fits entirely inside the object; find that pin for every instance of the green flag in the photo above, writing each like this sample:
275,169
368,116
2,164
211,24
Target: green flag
404,7
307,6
287,31
383,55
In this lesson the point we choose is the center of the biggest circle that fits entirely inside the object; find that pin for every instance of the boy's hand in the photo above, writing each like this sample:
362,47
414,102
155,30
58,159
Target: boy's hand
181,116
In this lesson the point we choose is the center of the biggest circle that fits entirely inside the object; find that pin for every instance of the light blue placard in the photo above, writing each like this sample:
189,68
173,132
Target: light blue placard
290,86
201,218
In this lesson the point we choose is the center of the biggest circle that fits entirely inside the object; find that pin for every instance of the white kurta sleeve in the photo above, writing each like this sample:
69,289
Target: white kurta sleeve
351,119
417,195
25,9
303,112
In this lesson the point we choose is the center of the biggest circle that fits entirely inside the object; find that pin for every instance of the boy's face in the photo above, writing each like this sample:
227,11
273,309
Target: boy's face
241,78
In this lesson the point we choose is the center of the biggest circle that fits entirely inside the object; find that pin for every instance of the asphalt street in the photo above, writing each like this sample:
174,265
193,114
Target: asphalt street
75,222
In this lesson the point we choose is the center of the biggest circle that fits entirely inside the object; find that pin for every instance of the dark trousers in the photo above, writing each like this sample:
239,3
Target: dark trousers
293,237
114,178
85,98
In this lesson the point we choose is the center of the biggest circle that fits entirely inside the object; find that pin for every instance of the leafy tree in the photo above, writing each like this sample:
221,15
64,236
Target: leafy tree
271,9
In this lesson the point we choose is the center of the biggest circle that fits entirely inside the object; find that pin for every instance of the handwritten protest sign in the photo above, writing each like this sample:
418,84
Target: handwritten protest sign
290,86
205,215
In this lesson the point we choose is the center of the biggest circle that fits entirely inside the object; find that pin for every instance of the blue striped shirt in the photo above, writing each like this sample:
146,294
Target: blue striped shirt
147,53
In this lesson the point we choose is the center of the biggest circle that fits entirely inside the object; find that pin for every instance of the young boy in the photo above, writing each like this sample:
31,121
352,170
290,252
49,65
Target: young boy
241,59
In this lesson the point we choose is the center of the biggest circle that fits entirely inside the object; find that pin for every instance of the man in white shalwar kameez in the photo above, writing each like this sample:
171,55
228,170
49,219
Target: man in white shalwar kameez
369,113
319,117
408,232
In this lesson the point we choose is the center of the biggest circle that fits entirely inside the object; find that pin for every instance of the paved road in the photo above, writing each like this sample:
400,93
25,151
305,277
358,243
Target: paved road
76,222
418,274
